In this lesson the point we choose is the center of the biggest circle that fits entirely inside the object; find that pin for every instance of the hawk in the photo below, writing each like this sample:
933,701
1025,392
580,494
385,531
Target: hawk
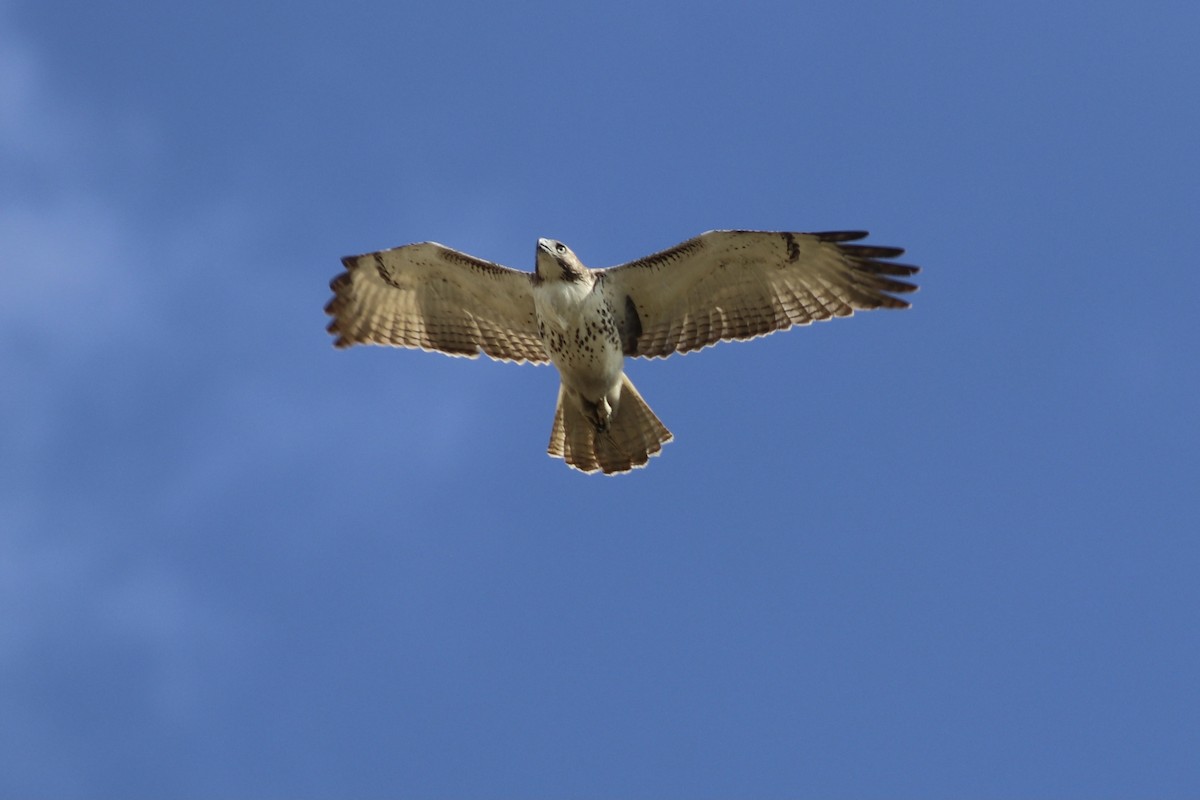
718,286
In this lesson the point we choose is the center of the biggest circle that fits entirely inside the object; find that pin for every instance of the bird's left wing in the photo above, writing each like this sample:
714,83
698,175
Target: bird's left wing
743,284
431,297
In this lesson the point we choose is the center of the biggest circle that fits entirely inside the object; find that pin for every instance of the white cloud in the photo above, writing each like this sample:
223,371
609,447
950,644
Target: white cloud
26,128
64,245
78,307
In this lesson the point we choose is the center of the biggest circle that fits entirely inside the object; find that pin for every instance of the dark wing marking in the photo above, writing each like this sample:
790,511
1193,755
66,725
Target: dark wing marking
630,326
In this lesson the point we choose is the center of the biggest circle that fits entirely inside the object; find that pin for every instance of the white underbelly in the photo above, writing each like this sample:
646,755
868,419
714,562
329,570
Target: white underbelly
595,373
580,336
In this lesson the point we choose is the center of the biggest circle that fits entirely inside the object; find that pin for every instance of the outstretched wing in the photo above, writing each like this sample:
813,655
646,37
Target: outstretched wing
743,284
429,296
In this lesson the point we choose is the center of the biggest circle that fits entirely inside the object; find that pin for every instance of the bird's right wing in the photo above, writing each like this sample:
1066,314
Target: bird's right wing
742,284
431,297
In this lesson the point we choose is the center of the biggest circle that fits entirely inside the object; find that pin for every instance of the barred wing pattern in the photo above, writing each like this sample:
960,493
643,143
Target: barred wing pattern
431,297
743,284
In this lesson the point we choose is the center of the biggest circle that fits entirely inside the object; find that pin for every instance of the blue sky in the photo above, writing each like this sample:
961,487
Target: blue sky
948,552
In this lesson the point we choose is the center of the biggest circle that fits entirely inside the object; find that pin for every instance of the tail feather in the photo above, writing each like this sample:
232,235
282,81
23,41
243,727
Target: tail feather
558,434
633,434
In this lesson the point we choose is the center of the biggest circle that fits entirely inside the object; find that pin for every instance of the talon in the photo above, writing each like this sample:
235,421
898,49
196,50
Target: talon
598,414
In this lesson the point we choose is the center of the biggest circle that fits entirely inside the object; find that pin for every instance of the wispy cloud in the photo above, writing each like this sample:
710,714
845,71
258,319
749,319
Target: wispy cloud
80,315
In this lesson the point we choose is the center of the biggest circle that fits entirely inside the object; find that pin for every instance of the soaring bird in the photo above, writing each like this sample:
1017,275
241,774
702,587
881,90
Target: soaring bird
721,285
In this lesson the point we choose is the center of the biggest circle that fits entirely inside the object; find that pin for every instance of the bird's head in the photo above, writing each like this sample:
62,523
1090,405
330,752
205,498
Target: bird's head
556,262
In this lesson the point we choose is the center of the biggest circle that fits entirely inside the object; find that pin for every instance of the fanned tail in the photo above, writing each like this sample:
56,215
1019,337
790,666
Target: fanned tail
633,434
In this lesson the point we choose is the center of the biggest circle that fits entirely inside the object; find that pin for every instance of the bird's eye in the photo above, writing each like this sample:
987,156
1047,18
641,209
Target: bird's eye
560,247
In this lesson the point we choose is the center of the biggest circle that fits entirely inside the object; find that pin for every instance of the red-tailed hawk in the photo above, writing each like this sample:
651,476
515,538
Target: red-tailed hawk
719,285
